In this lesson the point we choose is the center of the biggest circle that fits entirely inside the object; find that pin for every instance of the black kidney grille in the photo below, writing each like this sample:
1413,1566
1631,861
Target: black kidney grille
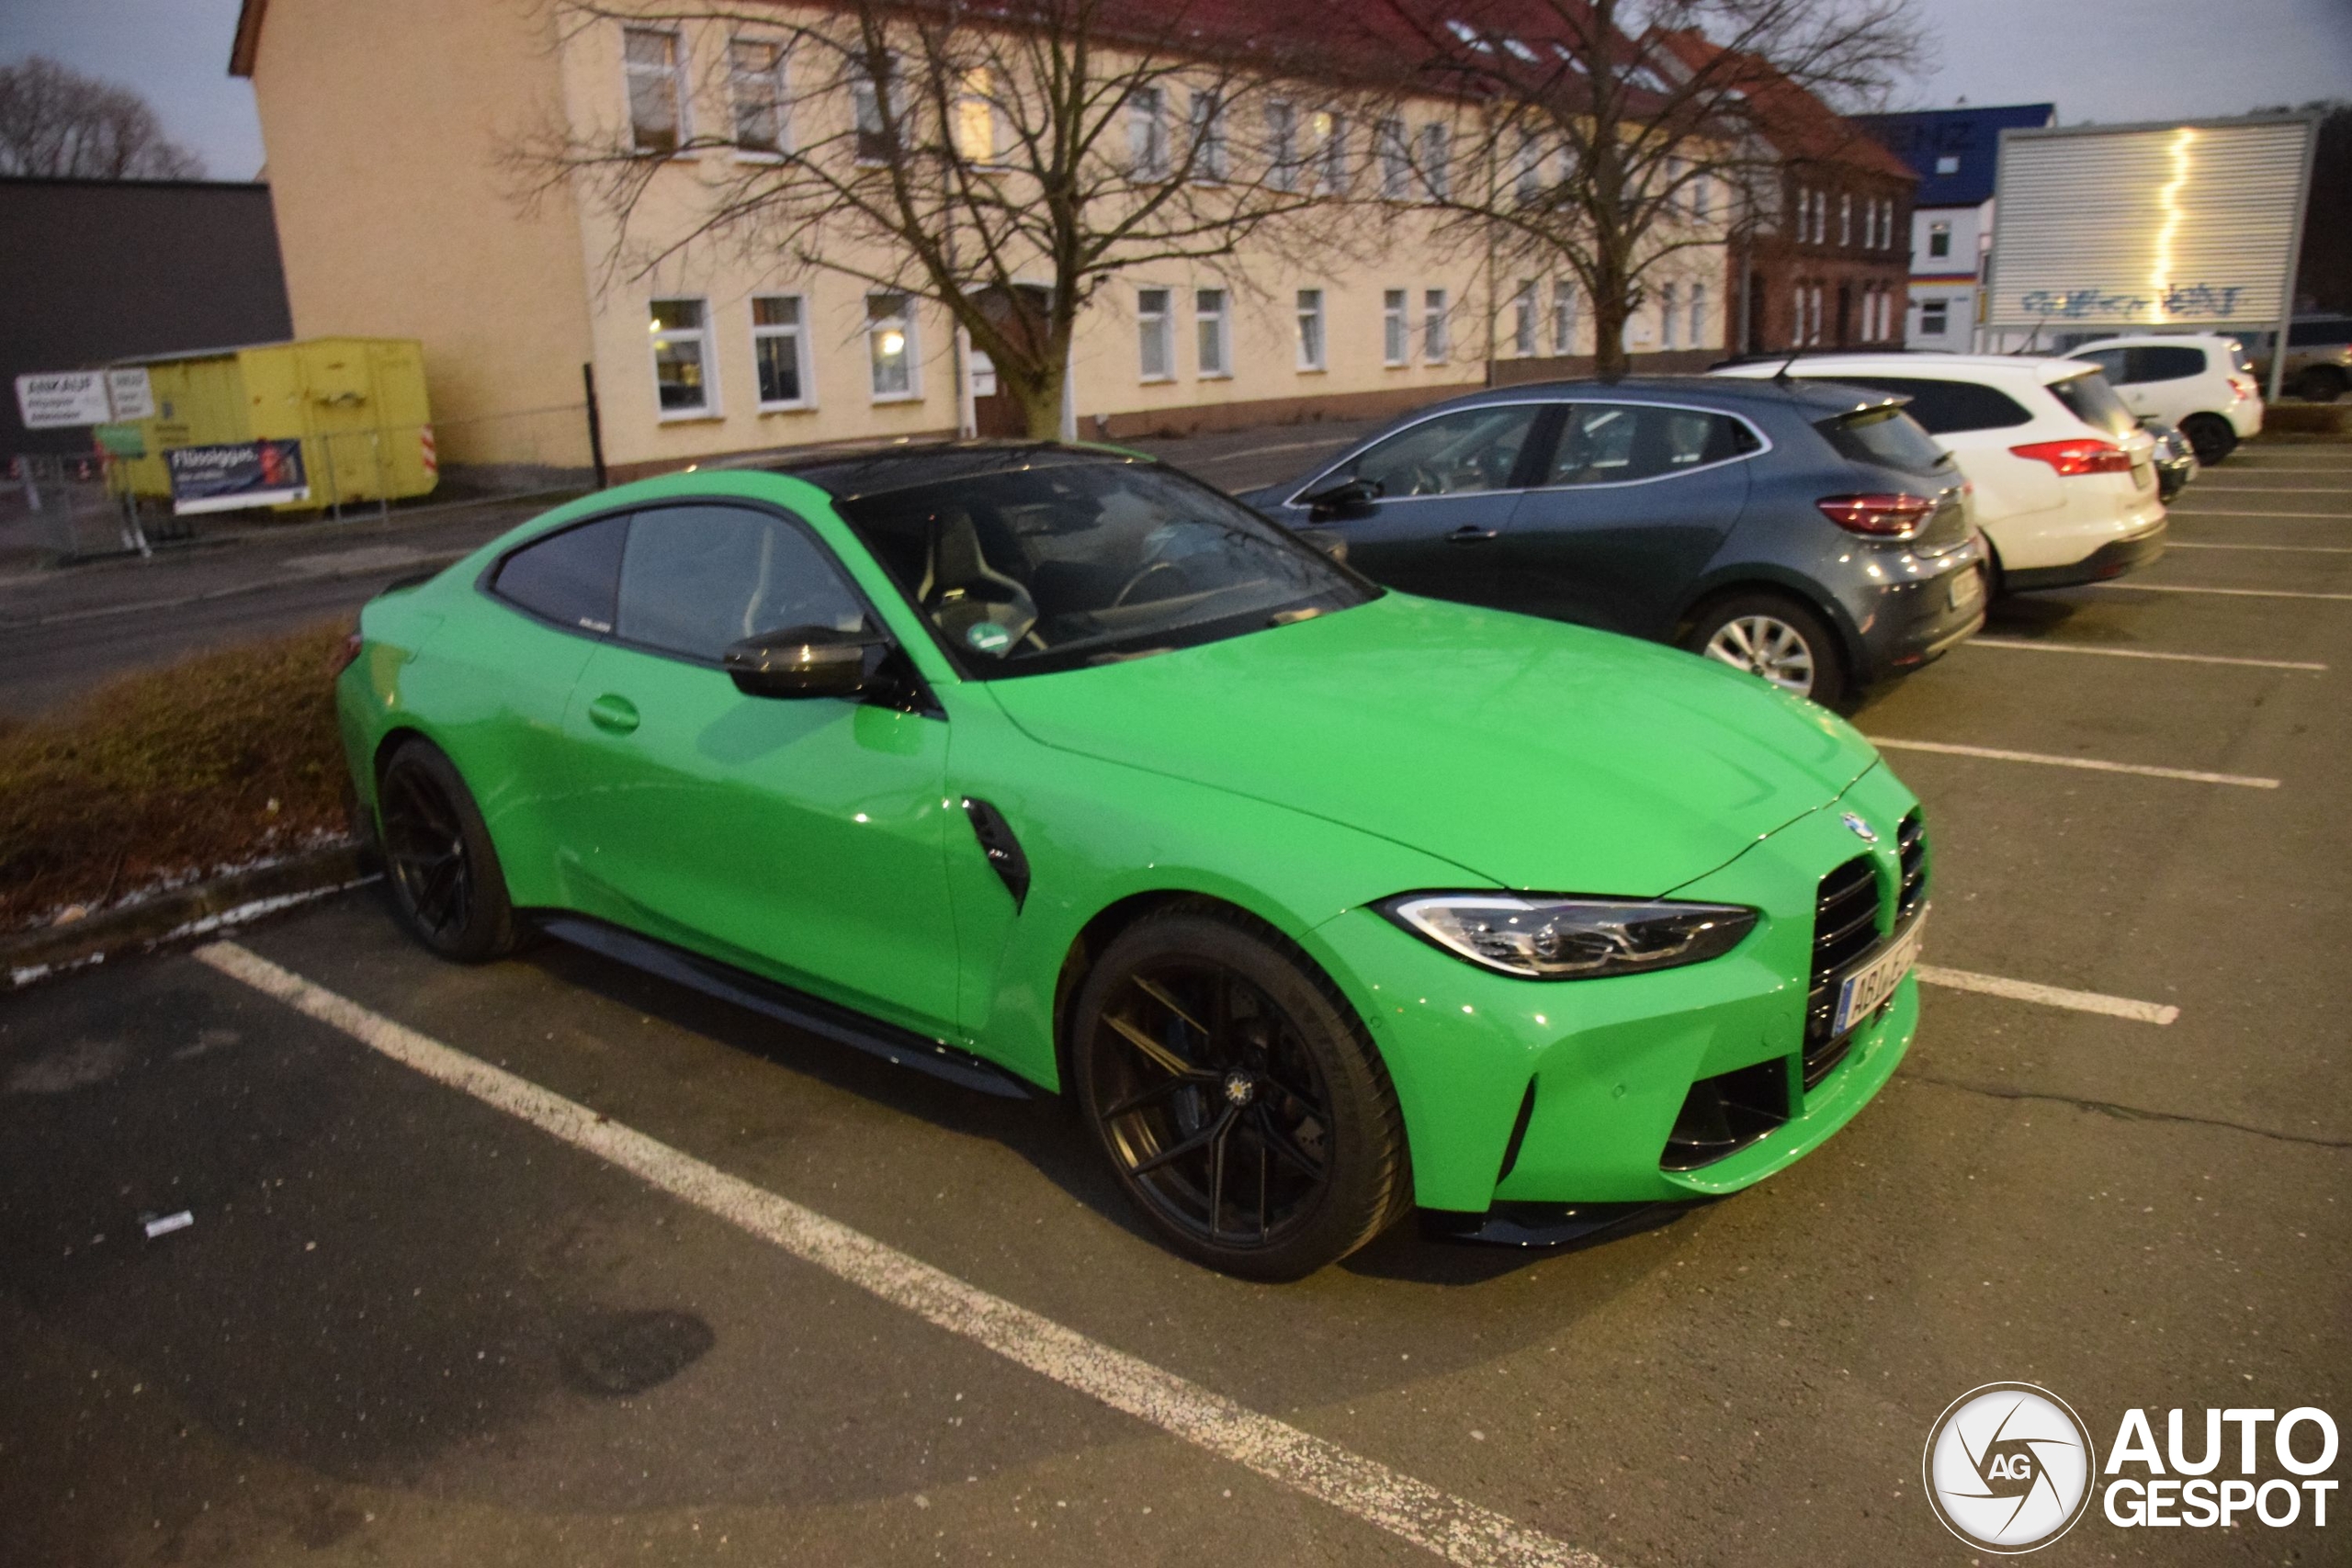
1911,841
1845,927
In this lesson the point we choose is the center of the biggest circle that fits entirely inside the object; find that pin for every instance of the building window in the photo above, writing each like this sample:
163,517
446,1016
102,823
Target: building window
1702,197
1527,170
656,89
890,345
1697,315
1820,218
878,137
755,83
975,126
1522,321
1152,339
1948,165
1330,151
1437,161
1396,346
1211,162
1669,324
1396,164
1147,135
1310,329
1564,317
1282,146
682,357
1214,321
779,351
1817,313
1846,220
1939,239
1433,339
1934,319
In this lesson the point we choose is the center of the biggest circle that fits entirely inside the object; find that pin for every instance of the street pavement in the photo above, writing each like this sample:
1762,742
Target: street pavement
416,1321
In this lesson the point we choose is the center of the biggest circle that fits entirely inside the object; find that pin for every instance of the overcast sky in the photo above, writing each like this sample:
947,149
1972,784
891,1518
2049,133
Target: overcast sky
2097,59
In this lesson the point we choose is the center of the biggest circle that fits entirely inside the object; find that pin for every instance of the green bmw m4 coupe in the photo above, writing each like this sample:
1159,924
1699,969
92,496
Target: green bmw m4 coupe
1050,769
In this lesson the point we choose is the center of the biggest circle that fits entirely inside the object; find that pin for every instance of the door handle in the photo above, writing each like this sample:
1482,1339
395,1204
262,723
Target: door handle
613,712
1470,534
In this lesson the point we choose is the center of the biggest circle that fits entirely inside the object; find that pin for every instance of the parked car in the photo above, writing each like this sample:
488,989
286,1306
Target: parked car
2176,457
2200,382
1320,902
2064,478
1810,535
2319,357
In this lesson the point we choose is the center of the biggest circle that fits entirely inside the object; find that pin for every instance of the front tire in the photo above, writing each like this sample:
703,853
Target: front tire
439,864
1772,635
2209,436
1237,1097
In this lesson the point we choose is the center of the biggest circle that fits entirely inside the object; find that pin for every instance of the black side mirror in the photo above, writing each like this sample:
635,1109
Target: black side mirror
804,662
1343,497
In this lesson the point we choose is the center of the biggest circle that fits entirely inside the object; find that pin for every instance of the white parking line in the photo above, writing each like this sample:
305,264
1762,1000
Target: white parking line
1455,1529
2272,490
2091,764
2047,996
2231,592
2293,549
2183,515
2140,653
1266,451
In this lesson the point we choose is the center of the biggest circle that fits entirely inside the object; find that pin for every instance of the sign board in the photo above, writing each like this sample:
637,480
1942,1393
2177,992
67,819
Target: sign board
131,394
121,440
2128,227
243,473
983,375
58,399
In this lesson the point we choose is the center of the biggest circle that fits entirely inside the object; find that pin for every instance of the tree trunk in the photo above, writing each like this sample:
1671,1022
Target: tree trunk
1609,360
1041,405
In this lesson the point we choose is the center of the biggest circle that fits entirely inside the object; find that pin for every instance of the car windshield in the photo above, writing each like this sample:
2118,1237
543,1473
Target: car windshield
1059,564
2089,398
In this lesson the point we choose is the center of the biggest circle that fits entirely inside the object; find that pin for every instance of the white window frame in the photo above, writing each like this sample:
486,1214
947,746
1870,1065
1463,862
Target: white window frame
978,133
1213,327
1942,326
1147,109
1437,338
1435,155
1395,327
1527,170
1522,320
1697,315
1846,218
778,79
1939,231
1155,327
798,333
864,95
680,100
905,321
1565,309
1332,174
1282,165
1702,197
1313,332
1212,157
1669,329
701,334
1393,150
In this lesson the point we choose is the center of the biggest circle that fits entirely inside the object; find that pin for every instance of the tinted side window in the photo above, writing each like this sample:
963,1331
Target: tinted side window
1943,407
1614,443
2089,398
2154,362
695,579
1454,453
569,578
2110,360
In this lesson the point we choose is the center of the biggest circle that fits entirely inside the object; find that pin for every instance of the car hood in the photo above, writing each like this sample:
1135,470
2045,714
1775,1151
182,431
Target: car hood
1533,754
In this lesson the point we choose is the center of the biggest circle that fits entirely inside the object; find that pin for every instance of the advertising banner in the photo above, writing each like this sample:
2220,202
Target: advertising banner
244,473
59,399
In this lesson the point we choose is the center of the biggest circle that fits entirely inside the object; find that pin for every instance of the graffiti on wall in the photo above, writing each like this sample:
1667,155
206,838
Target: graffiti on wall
2181,301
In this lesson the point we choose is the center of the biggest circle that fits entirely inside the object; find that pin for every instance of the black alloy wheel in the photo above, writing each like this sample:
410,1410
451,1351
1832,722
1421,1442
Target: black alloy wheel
1236,1098
2211,437
439,864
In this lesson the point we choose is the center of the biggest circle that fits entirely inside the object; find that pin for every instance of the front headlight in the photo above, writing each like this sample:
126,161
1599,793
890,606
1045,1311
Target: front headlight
1540,938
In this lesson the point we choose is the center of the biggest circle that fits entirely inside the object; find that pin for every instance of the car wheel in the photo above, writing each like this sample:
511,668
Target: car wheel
439,864
2322,384
1774,636
1237,1096
2211,436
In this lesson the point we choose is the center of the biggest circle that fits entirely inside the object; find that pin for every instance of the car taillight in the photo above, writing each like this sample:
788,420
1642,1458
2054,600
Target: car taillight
2243,386
2080,455
1895,516
344,657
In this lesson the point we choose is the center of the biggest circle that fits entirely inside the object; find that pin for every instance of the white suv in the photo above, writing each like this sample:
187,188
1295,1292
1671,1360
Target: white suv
2064,478
2200,382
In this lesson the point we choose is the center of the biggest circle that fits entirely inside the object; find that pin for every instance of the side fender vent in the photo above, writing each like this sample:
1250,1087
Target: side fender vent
1002,849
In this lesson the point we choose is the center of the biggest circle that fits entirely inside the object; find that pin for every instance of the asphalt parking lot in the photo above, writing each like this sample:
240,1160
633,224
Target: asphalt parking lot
764,1300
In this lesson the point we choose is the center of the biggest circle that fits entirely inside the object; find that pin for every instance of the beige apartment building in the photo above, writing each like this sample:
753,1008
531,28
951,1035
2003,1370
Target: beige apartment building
396,132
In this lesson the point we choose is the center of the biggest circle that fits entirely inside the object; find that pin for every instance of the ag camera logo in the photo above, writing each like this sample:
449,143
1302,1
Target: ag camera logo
2008,1467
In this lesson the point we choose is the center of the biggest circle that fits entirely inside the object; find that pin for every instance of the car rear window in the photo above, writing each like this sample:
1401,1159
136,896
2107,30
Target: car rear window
1888,437
571,578
1942,407
2319,335
2089,398
2163,362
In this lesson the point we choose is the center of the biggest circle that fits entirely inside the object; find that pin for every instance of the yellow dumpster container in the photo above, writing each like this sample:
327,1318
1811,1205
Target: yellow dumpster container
356,404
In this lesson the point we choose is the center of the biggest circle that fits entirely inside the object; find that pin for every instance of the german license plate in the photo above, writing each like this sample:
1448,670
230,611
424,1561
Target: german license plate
1967,590
1865,990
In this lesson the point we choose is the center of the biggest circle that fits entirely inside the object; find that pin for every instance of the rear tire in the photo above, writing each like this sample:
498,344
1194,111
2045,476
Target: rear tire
1236,1095
2212,437
440,867
1774,636
2321,384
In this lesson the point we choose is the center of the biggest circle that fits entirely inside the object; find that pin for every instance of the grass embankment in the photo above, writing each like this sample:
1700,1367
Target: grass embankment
170,775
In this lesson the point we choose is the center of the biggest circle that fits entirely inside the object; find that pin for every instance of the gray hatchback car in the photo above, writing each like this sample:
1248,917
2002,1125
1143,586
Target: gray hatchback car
1811,533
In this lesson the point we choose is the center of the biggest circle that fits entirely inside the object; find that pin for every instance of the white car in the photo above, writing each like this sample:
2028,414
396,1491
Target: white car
2199,382
2064,477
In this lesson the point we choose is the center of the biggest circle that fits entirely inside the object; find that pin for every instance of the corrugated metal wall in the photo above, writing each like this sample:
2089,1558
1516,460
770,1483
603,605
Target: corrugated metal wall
2133,228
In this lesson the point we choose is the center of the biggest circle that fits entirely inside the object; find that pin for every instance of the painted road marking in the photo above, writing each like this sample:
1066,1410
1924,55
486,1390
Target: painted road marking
1455,1529
2180,514
1266,451
2092,764
2272,489
2139,653
2231,593
2047,996
2297,549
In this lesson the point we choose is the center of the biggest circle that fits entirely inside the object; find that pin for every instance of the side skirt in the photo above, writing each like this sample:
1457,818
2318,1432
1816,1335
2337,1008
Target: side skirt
844,1026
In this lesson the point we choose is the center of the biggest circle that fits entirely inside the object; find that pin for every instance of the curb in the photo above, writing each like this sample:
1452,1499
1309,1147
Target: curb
194,910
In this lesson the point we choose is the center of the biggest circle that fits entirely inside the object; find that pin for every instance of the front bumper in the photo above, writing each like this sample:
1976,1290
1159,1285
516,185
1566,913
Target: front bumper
2109,560
1518,1092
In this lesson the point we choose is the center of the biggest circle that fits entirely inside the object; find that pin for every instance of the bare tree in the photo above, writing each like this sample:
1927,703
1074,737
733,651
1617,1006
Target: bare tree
1613,136
1000,161
57,123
